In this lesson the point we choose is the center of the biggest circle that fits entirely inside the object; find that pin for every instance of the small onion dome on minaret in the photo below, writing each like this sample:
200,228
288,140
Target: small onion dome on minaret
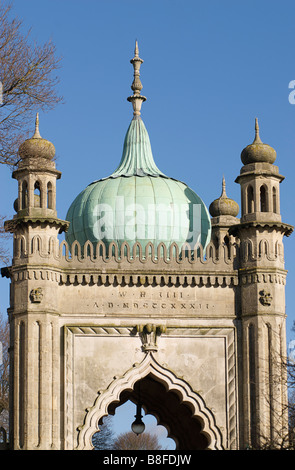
36,146
258,152
224,205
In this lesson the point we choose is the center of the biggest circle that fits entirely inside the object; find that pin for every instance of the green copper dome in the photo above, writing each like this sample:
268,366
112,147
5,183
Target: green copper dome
137,202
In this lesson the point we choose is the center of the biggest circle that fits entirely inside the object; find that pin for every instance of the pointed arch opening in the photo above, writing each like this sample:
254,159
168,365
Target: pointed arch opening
250,199
37,194
274,200
116,433
171,400
49,196
24,199
176,416
263,199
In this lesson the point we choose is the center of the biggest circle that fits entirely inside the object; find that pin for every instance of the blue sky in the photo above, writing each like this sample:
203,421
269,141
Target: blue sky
210,67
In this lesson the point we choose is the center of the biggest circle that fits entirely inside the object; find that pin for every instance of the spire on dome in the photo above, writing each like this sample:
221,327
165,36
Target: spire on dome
137,157
37,133
136,99
36,146
223,193
258,152
223,205
257,139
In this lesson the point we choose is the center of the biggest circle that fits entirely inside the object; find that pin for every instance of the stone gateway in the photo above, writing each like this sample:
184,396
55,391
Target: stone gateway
150,298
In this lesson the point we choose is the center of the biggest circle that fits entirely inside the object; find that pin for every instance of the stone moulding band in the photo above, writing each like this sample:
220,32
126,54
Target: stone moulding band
100,253
127,279
133,279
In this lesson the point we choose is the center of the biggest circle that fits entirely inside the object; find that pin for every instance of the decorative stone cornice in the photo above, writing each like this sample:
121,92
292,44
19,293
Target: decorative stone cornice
259,170
12,225
37,273
243,276
254,277
286,229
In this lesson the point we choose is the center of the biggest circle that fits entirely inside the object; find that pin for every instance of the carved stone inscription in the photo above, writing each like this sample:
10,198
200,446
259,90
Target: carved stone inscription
166,301
150,299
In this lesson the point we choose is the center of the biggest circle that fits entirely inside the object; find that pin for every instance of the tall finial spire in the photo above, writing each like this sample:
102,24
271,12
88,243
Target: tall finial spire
136,99
37,133
257,139
223,193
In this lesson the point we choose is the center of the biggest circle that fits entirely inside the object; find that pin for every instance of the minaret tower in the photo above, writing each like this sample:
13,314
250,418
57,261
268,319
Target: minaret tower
33,312
259,180
262,278
224,211
36,203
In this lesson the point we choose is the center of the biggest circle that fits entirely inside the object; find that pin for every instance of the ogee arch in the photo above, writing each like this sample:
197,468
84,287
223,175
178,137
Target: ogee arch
149,365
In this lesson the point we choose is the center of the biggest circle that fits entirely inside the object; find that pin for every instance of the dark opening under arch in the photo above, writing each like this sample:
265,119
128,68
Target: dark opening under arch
169,410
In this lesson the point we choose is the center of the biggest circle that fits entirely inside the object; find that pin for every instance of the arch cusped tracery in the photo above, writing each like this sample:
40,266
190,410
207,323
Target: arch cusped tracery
171,400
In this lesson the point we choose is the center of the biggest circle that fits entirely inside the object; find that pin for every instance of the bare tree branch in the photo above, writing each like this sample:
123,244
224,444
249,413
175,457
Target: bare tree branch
29,81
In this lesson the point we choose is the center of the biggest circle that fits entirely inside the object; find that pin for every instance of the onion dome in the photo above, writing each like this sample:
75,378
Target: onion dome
36,146
137,202
258,152
224,205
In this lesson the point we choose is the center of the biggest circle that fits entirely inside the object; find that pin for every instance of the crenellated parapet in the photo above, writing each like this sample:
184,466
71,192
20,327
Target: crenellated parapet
49,259
125,265
100,253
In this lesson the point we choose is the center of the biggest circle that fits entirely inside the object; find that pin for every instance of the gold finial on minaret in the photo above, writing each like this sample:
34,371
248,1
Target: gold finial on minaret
257,139
136,99
37,133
